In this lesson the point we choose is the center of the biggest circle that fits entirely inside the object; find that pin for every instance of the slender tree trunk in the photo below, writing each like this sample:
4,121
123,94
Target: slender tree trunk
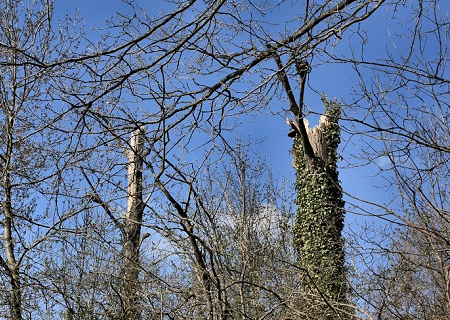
11,266
130,287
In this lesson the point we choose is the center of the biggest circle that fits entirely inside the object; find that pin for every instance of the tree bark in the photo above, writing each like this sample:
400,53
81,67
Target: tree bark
320,219
130,287
11,264
12,267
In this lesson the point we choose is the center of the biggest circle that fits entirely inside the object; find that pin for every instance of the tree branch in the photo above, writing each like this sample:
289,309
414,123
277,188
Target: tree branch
94,197
296,109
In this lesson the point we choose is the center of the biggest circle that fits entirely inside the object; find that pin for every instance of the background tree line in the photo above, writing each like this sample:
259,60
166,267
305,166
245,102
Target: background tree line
126,195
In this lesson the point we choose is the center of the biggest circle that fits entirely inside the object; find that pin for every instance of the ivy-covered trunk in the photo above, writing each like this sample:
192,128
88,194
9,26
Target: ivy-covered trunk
320,219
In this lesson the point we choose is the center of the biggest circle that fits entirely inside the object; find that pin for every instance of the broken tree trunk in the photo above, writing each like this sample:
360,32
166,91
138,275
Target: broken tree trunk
130,286
320,218
316,140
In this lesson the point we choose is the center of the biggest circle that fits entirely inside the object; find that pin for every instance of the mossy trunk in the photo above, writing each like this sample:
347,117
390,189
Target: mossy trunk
320,220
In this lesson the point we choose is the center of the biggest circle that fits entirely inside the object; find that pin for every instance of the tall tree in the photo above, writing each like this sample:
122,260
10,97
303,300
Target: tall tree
182,74
30,162
173,74
402,111
320,218
130,292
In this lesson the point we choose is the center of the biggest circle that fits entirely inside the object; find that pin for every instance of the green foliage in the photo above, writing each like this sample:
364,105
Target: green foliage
320,220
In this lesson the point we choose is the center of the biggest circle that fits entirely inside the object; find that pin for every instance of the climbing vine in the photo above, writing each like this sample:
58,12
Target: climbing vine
320,217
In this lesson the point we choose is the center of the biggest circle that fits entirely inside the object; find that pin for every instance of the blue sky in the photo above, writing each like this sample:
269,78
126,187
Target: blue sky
269,129
265,129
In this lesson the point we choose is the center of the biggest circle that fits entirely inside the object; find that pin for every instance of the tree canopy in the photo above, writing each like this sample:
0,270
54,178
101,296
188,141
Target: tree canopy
134,156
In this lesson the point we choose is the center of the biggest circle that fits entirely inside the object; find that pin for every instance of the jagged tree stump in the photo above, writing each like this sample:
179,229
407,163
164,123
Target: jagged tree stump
320,218
130,286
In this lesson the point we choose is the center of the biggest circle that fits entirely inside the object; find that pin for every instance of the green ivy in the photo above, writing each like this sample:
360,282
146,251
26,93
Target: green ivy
320,220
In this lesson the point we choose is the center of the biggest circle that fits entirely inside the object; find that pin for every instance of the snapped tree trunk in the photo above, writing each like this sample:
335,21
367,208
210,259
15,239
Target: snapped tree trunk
320,218
130,285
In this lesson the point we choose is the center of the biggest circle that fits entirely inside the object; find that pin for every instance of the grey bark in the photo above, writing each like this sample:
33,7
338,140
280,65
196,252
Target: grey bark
130,286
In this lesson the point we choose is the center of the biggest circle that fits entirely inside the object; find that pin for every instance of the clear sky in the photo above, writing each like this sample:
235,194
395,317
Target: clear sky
335,80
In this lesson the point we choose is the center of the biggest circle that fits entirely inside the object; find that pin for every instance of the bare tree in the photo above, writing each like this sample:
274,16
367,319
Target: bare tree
130,228
247,224
241,263
184,73
135,210
174,75
403,116
29,163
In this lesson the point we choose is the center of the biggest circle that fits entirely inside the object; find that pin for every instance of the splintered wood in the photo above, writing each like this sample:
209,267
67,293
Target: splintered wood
316,139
